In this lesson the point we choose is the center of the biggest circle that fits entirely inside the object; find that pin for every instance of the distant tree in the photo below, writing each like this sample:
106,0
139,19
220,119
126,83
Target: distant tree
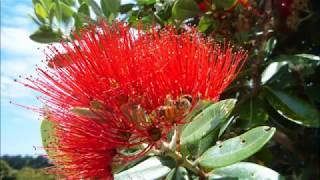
33,174
19,162
6,172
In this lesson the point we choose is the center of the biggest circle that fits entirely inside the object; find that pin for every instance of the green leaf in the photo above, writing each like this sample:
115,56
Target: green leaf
40,11
271,70
199,107
179,173
293,108
49,140
206,121
95,7
236,149
66,10
253,113
110,7
309,57
146,2
46,35
184,9
224,126
245,171
152,168
297,58
84,9
170,175
225,4
269,46
124,8
197,148
205,23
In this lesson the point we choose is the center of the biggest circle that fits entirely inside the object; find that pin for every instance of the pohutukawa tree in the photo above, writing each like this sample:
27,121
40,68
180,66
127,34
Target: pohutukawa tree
115,95
150,98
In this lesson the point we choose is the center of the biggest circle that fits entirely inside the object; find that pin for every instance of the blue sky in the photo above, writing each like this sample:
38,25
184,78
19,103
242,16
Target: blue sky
19,127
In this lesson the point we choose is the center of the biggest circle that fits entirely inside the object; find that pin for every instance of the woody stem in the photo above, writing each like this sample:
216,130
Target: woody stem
182,161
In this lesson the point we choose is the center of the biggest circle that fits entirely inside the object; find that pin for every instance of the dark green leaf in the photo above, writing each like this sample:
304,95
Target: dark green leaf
84,9
146,2
206,121
269,46
309,57
236,149
152,168
110,7
124,8
205,23
293,108
199,107
46,35
224,126
271,70
225,4
198,147
69,2
253,113
297,58
245,171
77,22
184,9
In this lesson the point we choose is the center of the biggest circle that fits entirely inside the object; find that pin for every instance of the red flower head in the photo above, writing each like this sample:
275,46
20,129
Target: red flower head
114,88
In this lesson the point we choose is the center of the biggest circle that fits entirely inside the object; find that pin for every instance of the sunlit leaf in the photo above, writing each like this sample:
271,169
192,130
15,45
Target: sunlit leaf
293,108
236,149
206,121
152,168
245,171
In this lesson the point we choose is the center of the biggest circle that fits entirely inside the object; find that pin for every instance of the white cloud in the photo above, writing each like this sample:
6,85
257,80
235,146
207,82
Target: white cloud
16,41
13,90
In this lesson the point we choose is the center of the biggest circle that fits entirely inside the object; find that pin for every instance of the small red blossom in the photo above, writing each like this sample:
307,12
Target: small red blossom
204,5
284,8
115,88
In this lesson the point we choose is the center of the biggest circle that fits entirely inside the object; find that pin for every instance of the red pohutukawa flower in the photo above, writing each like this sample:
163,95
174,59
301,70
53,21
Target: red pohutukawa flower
115,88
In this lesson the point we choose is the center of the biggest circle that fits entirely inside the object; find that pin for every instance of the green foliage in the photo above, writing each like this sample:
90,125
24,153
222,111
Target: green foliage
278,86
204,122
152,168
33,174
236,149
46,35
179,173
183,9
24,168
293,108
5,170
245,170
